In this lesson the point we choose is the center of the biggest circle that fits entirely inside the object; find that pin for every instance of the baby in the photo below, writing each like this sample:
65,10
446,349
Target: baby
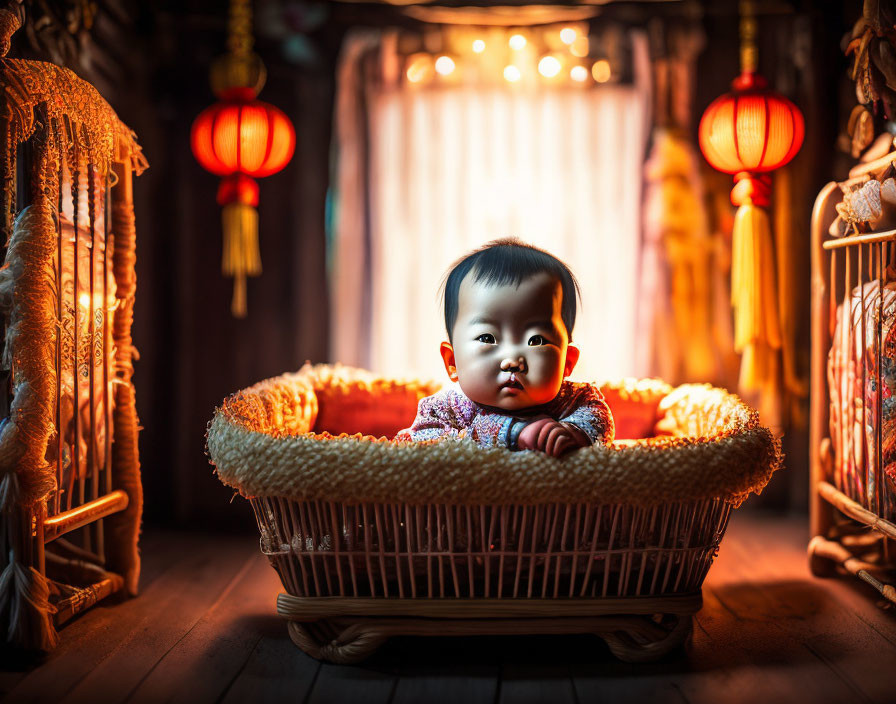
509,313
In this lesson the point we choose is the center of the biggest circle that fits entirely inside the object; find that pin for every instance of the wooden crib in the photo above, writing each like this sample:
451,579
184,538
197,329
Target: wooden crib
852,509
70,488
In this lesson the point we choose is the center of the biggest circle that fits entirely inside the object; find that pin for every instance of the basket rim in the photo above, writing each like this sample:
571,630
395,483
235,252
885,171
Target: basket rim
737,459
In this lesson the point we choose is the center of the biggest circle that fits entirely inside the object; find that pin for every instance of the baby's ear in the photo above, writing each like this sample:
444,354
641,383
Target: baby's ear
572,356
447,352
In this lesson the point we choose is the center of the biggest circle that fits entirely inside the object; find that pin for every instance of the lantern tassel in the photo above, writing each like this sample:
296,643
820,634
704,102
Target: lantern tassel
241,254
757,330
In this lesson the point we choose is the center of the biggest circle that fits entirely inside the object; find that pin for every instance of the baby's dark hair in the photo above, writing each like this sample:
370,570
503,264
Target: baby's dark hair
509,261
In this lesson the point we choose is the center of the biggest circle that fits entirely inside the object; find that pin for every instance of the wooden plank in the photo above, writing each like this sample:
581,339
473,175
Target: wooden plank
158,550
758,626
736,653
612,681
276,671
448,670
371,682
536,669
178,611
824,621
858,598
598,676
109,649
219,644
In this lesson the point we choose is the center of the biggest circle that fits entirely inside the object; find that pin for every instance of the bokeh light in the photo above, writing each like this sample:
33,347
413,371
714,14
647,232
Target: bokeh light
511,73
568,35
444,65
517,42
478,46
579,47
601,71
419,68
549,66
579,74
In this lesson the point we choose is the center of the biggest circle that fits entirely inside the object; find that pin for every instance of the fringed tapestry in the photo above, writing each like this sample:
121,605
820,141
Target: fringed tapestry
70,492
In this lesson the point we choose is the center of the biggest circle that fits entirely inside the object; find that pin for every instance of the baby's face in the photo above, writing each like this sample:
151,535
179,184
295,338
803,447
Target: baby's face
510,346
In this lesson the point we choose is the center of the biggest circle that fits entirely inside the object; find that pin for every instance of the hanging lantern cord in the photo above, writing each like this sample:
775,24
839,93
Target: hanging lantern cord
238,194
748,51
239,27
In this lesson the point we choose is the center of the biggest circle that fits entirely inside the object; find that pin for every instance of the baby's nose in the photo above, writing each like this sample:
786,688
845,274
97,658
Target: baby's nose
510,364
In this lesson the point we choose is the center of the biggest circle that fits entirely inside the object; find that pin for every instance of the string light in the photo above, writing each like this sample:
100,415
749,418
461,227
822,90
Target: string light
579,47
549,66
579,74
568,35
444,65
511,73
517,42
423,67
601,71
419,68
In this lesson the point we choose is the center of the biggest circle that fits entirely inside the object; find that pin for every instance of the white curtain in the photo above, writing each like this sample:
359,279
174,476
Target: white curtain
452,168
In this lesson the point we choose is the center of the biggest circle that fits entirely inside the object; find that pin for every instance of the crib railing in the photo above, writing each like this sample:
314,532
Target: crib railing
853,277
83,357
83,372
70,469
436,551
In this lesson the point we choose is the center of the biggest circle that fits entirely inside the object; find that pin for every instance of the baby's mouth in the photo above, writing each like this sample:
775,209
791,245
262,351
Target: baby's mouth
512,383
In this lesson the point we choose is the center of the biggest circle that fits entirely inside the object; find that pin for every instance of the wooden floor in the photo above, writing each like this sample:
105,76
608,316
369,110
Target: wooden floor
205,630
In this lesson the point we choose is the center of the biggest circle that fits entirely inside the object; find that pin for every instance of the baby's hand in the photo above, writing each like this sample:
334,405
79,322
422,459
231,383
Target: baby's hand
551,437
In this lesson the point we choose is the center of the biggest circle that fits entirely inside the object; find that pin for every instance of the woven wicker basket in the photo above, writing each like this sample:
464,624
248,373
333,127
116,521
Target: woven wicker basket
373,538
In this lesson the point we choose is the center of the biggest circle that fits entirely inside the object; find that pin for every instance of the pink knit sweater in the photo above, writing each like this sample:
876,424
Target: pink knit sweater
449,413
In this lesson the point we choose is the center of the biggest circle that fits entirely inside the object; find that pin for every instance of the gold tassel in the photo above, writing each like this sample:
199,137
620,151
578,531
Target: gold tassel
241,254
757,330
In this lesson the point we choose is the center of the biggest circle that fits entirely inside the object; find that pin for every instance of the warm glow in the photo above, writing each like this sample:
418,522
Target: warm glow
517,42
549,66
568,35
601,71
579,47
444,65
578,74
84,301
506,161
478,46
511,73
253,138
419,68
753,131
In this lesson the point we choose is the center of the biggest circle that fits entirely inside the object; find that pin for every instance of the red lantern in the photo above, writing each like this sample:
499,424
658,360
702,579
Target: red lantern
750,132
249,137
241,139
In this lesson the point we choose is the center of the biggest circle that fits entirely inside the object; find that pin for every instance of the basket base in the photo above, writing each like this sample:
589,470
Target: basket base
647,634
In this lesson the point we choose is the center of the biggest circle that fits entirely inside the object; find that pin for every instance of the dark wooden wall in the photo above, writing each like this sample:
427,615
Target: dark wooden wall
194,352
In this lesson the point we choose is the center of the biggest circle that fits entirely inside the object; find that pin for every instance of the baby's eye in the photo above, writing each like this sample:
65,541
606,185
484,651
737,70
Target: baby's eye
486,338
536,340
